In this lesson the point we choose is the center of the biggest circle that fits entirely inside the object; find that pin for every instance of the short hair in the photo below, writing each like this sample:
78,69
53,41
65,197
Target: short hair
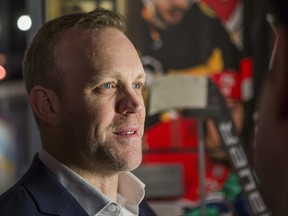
40,60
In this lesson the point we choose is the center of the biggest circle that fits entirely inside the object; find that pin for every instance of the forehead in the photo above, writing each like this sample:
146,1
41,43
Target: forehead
101,51
94,42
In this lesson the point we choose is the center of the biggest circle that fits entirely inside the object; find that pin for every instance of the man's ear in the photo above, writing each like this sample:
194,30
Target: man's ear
45,105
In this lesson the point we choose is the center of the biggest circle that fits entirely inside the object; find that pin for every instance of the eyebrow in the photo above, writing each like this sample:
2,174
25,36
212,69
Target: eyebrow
112,74
141,76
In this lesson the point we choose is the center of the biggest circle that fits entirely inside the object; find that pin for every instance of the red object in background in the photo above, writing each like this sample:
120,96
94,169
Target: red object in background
246,68
224,8
236,85
229,83
176,133
164,147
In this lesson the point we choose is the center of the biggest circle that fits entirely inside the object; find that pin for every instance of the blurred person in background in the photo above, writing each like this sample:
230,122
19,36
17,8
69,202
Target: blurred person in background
185,37
87,101
270,153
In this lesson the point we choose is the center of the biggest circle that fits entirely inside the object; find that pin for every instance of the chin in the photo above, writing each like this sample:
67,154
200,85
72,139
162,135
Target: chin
134,162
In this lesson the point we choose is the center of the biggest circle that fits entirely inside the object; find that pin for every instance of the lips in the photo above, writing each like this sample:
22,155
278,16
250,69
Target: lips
127,132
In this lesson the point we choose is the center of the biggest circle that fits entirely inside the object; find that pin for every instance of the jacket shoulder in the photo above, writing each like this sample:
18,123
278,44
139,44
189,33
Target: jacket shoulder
17,201
145,209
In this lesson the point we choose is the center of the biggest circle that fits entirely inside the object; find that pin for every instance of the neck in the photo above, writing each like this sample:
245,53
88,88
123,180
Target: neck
106,182
108,185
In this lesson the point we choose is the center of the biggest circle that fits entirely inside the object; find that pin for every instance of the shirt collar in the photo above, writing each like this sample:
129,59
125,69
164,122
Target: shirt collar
130,189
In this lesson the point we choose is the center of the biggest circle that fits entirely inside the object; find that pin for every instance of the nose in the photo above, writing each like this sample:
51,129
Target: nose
130,102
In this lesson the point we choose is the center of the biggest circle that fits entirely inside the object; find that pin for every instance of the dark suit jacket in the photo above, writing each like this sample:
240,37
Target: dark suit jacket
38,192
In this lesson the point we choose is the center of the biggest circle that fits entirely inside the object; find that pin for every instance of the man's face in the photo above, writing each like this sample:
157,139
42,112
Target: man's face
103,110
171,12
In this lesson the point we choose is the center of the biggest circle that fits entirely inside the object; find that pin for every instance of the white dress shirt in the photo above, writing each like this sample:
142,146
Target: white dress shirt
130,190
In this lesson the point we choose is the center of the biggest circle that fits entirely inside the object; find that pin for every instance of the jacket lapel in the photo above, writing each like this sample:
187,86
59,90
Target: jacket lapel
49,194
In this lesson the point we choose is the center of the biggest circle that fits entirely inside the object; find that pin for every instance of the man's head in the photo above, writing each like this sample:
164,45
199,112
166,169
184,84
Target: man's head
167,12
40,62
84,80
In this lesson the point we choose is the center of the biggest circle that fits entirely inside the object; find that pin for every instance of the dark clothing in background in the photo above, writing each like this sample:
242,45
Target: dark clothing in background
191,42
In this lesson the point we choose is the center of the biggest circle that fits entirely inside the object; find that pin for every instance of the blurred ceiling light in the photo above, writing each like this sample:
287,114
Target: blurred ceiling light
24,23
2,73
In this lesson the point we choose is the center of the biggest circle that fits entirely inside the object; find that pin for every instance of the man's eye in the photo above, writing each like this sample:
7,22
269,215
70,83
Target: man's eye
108,85
137,85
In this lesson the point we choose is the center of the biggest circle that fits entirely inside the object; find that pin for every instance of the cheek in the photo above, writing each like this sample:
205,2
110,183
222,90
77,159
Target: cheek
141,119
143,114
102,113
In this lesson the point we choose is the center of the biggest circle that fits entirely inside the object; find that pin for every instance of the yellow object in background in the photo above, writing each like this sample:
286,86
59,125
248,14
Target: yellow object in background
213,65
